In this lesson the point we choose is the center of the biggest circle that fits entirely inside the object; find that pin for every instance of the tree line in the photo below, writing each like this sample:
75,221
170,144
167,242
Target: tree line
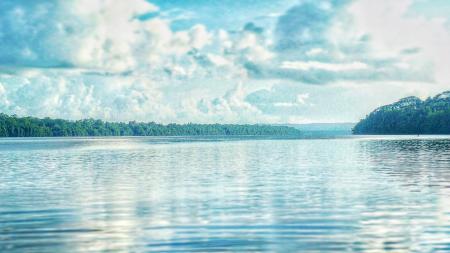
409,116
13,126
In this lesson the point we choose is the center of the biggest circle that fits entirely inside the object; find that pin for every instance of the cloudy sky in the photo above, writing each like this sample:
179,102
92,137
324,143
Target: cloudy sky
246,61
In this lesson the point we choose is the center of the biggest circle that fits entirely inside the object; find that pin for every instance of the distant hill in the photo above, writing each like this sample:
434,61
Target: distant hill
410,115
323,126
13,126
324,129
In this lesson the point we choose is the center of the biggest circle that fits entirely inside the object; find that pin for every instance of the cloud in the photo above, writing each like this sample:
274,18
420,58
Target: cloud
305,25
96,35
251,27
317,42
66,34
103,60
232,107
280,100
323,73
132,60
334,67
75,97
402,29
247,45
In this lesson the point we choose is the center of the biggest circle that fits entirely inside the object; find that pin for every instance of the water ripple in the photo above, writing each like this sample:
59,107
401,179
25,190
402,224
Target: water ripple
369,194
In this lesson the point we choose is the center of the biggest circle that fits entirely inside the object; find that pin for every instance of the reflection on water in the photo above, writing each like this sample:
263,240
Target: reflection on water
181,194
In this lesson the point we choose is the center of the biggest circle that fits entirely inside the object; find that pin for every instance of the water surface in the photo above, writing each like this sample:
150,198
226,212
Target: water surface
364,194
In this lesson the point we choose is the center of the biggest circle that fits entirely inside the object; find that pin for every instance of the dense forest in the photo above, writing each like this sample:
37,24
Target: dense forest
13,126
409,116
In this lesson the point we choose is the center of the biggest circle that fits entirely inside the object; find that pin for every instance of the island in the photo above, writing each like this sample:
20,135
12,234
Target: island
13,126
410,115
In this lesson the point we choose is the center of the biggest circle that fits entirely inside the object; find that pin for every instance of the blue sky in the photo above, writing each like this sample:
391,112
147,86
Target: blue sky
227,14
287,61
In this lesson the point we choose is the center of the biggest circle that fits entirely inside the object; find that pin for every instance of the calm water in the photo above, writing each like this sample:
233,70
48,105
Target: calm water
378,194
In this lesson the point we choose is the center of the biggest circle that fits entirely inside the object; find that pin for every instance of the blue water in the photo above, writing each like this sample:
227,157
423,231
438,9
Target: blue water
356,194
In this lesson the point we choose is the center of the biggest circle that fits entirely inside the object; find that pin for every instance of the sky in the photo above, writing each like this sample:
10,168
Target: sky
211,61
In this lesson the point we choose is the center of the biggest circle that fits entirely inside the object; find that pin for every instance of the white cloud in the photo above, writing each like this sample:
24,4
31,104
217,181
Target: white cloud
318,42
301,98
228,108
97,58
200,37
218,60
75,97
245,46
280,101
315,51
306,66
96,35
397,30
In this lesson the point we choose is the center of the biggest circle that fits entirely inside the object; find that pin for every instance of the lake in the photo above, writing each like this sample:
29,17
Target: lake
354,194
